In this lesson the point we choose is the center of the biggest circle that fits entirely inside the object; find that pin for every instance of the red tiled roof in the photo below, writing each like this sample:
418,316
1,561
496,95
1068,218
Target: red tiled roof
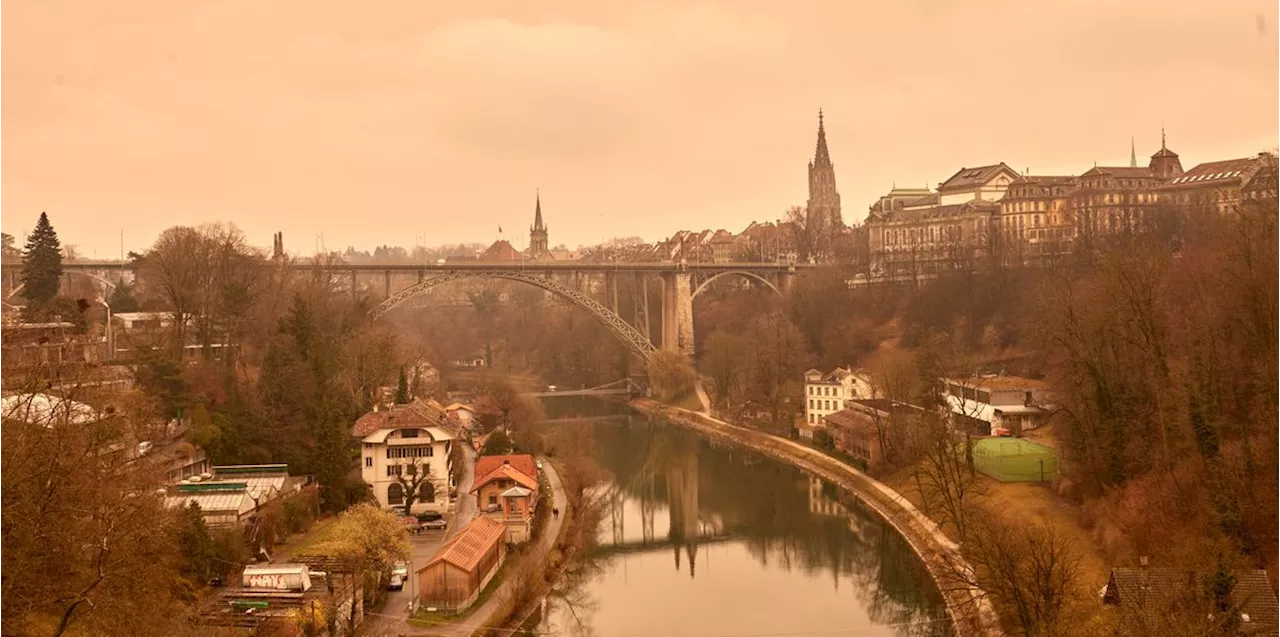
501,250
470,545
523,463
419,413
506,471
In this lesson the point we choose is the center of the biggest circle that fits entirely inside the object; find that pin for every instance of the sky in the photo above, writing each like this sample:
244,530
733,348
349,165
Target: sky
404,123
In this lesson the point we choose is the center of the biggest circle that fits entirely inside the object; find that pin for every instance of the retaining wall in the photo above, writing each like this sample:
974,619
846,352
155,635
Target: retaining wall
970,612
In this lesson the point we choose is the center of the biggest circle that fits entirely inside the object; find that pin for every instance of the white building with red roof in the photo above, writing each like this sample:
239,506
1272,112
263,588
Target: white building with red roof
405,455
506,489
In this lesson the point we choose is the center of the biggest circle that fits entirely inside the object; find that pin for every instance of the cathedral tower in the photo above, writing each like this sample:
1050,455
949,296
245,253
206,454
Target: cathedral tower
538,233
824,217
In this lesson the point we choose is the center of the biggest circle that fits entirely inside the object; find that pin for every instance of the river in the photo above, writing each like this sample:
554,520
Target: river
702,540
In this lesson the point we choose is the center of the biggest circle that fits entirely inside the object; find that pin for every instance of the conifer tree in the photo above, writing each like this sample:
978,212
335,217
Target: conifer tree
402,389
41,264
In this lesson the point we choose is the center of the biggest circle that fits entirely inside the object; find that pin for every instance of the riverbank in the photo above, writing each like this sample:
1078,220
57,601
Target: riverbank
970,612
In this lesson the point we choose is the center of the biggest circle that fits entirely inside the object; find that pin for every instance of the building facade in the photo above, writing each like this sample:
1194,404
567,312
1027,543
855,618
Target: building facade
407,447
456,574
506,490
945,230
1036,221
826,393
984,405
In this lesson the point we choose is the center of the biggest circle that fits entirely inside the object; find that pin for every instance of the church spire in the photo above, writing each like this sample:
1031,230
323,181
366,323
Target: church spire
537,212
1133,154
538,245
821,156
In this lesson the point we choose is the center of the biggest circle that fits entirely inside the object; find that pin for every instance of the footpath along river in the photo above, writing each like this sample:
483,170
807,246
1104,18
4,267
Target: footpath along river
700,540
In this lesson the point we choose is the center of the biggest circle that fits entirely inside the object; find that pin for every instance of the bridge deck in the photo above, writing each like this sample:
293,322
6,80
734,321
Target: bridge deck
533,266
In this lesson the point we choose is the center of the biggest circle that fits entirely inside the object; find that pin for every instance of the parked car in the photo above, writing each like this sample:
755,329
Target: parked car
429,516
435,525
396,583
411,524
401,569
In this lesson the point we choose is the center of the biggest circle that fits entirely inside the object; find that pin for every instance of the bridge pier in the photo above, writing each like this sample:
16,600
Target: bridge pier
786,280
677,313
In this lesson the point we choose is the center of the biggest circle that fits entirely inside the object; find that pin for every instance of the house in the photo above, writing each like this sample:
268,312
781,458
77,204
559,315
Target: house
501,251
456,574
1147,600
825,393
461,414
1215,185
856,429
406,454
986,404
506,489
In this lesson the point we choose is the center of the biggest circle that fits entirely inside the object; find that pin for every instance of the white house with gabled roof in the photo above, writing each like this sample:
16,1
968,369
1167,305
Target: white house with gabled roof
398,442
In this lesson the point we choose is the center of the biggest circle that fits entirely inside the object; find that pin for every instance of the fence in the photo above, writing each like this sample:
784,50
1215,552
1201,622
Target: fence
1015,460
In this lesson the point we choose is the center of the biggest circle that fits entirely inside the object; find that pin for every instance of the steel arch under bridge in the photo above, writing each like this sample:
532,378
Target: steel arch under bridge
630,335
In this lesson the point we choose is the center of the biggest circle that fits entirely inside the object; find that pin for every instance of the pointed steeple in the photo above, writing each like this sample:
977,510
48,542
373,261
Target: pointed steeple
538,245
1133,154
821,157
823,207
537,212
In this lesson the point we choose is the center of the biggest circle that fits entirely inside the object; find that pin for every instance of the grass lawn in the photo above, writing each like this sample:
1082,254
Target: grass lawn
1031,502
300,544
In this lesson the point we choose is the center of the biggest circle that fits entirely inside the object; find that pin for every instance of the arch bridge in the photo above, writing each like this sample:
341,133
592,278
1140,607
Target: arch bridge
580,284
593,287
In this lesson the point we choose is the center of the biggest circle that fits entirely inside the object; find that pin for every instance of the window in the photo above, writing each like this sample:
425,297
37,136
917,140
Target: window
810,403
368,445
395,493
408,433
417,451
368,461
394,470
493,498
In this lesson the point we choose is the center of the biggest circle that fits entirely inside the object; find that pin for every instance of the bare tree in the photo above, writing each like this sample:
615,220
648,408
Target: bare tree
804,233
415,479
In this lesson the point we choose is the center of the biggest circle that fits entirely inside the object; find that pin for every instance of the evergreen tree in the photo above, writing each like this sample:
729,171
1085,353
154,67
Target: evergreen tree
402,389
41,264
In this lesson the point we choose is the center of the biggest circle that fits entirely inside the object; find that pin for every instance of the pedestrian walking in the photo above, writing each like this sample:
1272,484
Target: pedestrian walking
555,512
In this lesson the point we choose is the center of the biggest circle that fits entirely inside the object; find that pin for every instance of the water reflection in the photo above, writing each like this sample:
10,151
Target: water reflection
706,539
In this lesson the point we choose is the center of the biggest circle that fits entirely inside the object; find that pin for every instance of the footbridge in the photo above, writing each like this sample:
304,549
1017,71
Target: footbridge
626,297
624,387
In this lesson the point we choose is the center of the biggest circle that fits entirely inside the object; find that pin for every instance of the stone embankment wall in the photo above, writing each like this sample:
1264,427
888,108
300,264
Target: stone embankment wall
970,611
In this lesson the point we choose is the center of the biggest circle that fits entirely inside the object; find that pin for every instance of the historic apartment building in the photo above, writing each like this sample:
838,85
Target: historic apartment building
400,442
1036,220
947,229
992,213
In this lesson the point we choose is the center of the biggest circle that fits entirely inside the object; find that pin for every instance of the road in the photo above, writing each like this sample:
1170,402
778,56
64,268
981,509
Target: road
481,615
391,619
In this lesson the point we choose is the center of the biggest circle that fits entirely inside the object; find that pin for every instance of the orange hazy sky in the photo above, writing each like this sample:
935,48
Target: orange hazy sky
381,122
